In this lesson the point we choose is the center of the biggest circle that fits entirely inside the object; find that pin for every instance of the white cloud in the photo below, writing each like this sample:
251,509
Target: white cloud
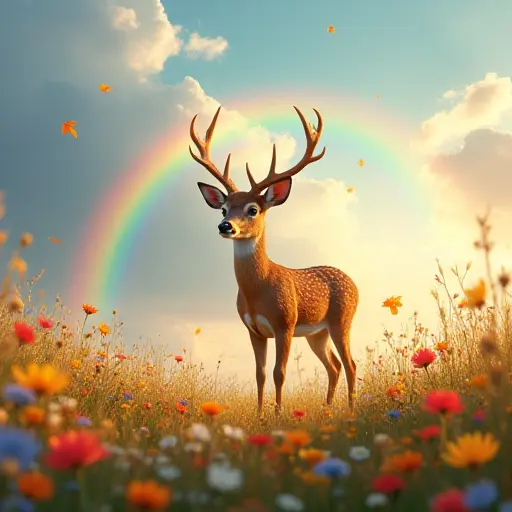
483,104
124,19
449,94
207,48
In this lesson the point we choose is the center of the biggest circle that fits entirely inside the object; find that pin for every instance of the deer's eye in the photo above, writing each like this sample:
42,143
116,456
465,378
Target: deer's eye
252,211
223,212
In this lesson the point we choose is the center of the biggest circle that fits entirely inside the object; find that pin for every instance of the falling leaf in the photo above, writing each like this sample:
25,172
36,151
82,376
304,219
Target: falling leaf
377,96
393,303
360,163
54,240
350,190
68,127
105,88
330,29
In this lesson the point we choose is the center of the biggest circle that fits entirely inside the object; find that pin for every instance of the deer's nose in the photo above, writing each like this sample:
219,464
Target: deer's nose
225,227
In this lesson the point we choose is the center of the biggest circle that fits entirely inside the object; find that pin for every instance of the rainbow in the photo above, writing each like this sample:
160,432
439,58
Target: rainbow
97,269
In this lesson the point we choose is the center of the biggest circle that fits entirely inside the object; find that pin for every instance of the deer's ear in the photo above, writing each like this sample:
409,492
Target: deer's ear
214,197
278,192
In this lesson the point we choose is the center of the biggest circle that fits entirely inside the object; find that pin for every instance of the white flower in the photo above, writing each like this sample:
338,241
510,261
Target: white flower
168,442
359,453
234,433
168,472
381,439
376,499
199,432
289,502
278,433
161,460
224,478
193,447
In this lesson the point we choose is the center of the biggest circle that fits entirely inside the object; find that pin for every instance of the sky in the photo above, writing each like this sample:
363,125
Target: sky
420,91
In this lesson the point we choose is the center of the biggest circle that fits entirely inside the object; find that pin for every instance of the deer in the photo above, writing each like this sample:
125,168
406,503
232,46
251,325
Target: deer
273,301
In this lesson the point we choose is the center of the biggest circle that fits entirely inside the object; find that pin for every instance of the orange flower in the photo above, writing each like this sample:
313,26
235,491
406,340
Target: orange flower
36,486
211,408
298,438
89,309
310,478
312,456
328,429
33,415
475,296
442,346
405,462
104,329
479,381
148,495
393,303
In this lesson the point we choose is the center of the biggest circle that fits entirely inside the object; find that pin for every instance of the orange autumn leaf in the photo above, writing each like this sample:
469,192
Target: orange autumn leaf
330,29
360,163
350,190
68,127
393,303
105,87
54,240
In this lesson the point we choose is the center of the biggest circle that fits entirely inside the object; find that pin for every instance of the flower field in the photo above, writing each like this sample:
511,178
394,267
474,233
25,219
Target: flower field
87,424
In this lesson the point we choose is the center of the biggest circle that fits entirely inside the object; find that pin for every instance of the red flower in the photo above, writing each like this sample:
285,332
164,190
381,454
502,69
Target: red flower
479,416
428,433
443,401
423,358
181,407
24,332
297,413
178,359
259,439
388,484
75,449
45,323
121,357
147,406
451,500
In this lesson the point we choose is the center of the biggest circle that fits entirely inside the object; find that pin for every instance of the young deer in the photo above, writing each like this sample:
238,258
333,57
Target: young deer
274,301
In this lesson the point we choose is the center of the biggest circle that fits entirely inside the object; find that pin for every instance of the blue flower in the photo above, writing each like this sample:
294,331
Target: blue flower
18,395
393,414
480,495
16,503
128,396
332,468
505,506
19,445
83,421
183,402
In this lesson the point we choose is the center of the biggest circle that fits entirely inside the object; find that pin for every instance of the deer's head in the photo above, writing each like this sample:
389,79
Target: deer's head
244,212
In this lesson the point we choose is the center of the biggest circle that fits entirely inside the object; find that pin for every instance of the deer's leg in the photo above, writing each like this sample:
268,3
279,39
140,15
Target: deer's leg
340,334
259,345
283,346
319,344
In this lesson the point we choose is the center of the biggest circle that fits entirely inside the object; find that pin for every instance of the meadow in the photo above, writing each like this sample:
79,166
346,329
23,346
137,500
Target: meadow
90,425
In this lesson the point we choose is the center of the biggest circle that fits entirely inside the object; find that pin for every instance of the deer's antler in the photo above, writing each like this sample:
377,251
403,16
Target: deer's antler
204,151
312,137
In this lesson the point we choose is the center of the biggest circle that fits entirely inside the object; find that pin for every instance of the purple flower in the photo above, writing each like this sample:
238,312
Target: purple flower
83,421
18,395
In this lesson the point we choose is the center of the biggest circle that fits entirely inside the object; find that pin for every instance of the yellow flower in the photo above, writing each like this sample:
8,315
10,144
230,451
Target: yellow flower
104,329
475,296
471,450
442,346
75,364
44,379
312,456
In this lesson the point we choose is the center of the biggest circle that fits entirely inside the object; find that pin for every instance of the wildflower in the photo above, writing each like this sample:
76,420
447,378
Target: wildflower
36,486
406,462
234,433
443,402
381,440
451,500
376,499
199,432
479,381
260,439
475,296
18,445
18,395
298,438
359,453
222,477
442,346
471,450
393,414
148,495
479,416
393,303
310,478
298,414
211,408
83,421
128,396
45,323
44,379
313,456
104,329
388,484
332,468
428,433
75,364
423,358
327,429
178,359
394,392
168,472
168,442
33,415
24,332
75,449
289,503
89,309
481,495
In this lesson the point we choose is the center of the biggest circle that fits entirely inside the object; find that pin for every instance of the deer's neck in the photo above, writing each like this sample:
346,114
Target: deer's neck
252,264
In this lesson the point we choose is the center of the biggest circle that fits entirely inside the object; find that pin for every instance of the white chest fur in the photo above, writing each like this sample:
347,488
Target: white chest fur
260,325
